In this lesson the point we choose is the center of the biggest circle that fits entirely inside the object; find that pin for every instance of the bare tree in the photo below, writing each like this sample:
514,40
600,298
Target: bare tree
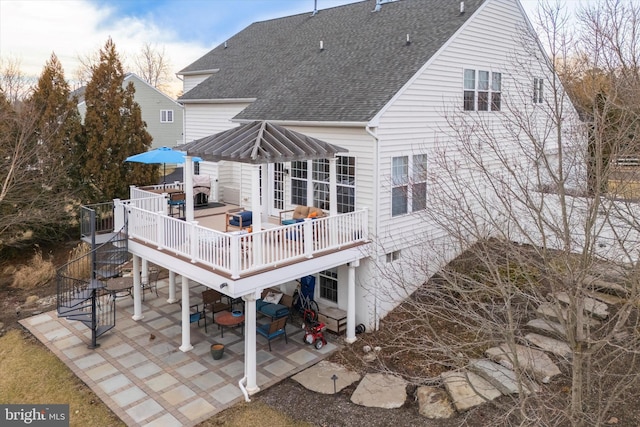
152,65
13,82
511,196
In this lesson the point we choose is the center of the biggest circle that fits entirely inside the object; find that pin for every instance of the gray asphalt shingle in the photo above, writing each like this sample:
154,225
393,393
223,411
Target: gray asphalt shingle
365,59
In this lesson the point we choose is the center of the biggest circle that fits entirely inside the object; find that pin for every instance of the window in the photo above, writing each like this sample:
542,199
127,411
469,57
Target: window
329,284
419,184
482,90
166,116
408,195
399,185
320,170
299,183
393,256
196,168
538,93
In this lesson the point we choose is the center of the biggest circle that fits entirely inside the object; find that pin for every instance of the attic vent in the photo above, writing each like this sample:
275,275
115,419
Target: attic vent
321,45
379,4
461,7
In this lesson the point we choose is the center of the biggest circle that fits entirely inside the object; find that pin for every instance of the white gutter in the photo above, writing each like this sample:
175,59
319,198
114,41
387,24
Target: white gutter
216,101
376,182
244,390
195,73
306,123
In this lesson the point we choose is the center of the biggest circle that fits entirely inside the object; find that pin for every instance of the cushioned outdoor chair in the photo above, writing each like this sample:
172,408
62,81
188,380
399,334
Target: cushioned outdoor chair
151,285
274,329
239,220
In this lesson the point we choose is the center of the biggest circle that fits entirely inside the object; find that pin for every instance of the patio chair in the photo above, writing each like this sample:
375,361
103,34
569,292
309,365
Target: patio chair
239,220
177,200
274,329
216,302
151,285
195,315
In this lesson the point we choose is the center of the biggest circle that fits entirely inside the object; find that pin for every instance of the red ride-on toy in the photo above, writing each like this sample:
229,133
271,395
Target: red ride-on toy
313,330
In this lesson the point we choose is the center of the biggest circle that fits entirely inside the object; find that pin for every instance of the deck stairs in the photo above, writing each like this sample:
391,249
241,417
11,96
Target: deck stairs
81,283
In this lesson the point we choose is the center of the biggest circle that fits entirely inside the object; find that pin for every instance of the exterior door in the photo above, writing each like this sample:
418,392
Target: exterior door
276,188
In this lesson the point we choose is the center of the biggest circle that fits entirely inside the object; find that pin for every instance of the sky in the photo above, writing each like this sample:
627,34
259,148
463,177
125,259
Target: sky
30,30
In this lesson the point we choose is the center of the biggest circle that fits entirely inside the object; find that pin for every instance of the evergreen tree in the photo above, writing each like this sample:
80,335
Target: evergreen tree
58,128
114,130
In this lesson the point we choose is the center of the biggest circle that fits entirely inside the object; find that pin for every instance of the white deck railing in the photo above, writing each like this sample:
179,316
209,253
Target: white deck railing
239,253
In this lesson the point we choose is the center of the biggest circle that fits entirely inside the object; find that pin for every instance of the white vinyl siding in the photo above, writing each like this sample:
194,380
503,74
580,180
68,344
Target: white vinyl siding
191,81
208,119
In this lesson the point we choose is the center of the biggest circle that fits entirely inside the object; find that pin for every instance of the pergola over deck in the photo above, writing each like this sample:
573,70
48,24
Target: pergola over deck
257,143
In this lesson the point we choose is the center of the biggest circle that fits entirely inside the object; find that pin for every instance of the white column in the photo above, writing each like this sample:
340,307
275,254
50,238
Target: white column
145,270
333,187
186,325
266,188
172,287
351,302
250,342
256,208
188,187
309,183
137,293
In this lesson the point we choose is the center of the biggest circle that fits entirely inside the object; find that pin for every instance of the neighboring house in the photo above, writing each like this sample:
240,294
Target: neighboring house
164,116
370,82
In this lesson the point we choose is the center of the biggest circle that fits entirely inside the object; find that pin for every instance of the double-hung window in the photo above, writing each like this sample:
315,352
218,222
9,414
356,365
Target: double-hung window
482,90
408,184
318,172
538,91
328,281
166,116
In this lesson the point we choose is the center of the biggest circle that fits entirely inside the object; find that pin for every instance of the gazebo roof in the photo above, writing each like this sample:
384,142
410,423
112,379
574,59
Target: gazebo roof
260,142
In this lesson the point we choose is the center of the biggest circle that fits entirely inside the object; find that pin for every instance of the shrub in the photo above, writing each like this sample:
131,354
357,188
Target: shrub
36,273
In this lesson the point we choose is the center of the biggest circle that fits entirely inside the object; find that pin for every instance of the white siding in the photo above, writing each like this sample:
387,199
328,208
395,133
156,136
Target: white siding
208,119
191,81
416,121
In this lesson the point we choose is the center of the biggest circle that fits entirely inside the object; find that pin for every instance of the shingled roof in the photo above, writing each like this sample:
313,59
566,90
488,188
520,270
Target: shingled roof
366,59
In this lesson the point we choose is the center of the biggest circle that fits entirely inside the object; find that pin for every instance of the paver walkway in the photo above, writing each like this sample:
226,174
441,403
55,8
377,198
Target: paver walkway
141,375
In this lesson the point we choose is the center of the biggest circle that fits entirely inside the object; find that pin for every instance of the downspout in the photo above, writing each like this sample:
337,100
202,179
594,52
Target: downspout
241,384
376,180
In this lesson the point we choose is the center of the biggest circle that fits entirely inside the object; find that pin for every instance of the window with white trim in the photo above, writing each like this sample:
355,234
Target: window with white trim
345,183
328,284
166,116
538,91
408,191
482,90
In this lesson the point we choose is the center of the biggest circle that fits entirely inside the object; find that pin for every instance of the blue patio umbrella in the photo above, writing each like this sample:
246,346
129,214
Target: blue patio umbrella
162,155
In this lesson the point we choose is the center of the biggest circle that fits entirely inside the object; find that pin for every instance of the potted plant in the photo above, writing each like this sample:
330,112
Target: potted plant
217,350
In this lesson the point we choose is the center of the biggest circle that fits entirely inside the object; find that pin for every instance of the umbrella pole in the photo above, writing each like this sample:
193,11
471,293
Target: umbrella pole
164,176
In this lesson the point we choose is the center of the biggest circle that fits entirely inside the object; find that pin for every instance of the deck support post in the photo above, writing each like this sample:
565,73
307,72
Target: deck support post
186,325
172,287
351,302
188,187
250,342
137,289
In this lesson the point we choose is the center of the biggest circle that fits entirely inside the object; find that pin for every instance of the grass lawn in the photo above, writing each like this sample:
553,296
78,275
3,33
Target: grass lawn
29,373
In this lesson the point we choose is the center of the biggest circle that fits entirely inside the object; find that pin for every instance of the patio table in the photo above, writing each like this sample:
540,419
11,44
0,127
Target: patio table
120,286
227,318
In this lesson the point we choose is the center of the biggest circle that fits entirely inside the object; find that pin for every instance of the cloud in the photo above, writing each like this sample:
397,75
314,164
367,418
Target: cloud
30,31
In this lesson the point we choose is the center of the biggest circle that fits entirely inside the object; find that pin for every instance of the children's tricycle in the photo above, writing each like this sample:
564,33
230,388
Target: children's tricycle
313,330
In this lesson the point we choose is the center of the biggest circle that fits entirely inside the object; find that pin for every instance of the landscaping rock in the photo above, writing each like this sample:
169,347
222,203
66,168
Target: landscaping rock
380,391
318,378
591,306
553,312
551,345
500,377
547,326
606,298
532,361
468,390
434,403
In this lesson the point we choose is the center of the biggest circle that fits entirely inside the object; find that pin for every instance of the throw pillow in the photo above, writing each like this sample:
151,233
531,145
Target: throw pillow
273,297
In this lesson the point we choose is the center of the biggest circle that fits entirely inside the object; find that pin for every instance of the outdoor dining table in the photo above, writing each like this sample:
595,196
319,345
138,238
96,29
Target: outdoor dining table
120,286
164,190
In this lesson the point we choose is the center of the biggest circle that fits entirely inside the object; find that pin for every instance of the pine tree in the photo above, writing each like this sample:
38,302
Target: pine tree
114,130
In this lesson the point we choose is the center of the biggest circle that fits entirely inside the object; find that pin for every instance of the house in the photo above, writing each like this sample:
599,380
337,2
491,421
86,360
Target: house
341,110
164,116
